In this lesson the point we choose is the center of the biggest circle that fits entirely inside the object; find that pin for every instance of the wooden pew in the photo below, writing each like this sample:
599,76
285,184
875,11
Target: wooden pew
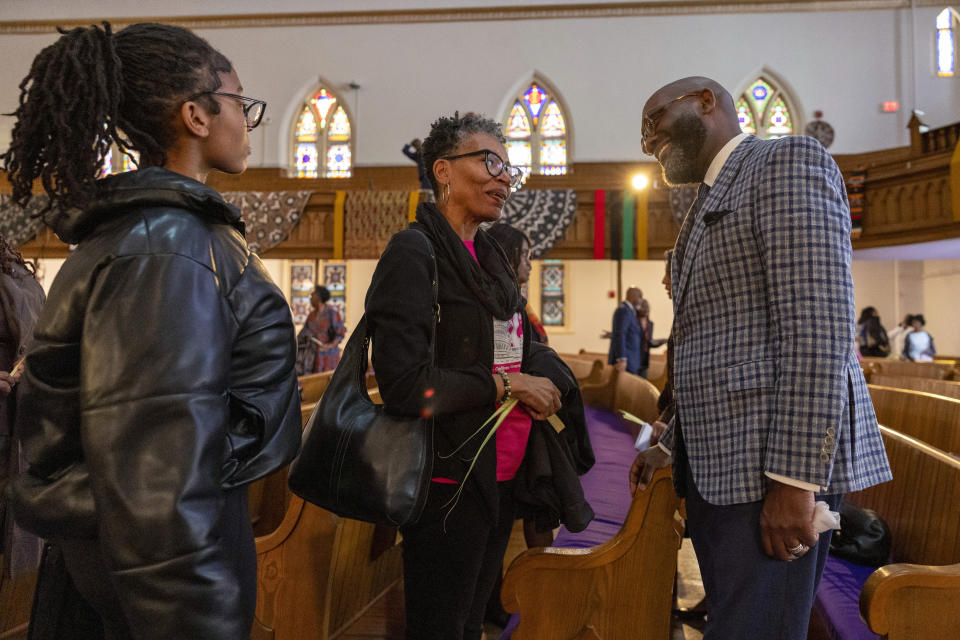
948,388
919,599
621,589
313,385
928,417
584,369
316,572
936,370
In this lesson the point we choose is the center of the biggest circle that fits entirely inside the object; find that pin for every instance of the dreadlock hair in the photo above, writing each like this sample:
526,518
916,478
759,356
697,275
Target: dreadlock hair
10,257
511,239
447,134
93,88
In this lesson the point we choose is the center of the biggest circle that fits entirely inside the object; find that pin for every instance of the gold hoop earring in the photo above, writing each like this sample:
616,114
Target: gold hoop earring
445,193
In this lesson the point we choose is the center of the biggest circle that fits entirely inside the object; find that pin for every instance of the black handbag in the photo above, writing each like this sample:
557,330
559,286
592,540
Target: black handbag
864,538
357,460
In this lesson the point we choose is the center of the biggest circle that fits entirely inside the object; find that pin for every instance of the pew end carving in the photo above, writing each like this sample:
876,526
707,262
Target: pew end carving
621,589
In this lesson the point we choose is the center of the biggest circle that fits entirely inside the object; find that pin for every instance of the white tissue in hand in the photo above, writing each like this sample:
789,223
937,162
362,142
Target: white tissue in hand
824,519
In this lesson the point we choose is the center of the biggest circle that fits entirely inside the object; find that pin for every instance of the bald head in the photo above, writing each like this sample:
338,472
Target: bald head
685,124
634,295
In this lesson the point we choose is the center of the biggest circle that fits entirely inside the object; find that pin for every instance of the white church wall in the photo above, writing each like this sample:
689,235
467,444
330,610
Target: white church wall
843,63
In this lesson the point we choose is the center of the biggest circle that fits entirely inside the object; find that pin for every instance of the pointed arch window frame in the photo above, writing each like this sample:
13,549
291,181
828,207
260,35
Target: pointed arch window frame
761,107
323,141
945,54
535,139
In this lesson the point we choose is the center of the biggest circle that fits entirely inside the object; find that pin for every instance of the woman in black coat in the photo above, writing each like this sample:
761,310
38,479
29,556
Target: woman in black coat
452,554
161,377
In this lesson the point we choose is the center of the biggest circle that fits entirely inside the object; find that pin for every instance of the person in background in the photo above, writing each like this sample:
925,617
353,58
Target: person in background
516,244
898,337
318,343
160,382
625,338
21,298
647,341
918,344
453,553
414,151
871,336
771,405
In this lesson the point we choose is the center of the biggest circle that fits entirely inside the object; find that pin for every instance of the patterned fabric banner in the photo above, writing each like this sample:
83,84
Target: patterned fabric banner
599,224
370,220
18,225
542,214
681,199
268,215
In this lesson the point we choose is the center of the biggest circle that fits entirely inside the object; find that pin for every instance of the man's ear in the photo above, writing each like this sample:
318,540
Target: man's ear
195,119
708,101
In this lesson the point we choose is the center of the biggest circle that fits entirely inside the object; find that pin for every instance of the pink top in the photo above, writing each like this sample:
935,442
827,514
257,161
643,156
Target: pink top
514,432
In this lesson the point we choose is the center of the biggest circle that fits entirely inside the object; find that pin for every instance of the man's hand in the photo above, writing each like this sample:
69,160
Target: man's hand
787,521
658,429
621,364
646,462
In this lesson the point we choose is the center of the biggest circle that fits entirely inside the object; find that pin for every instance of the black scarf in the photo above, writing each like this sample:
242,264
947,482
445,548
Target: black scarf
490,277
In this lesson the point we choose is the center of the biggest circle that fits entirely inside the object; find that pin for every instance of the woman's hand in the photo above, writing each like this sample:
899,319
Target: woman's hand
539,395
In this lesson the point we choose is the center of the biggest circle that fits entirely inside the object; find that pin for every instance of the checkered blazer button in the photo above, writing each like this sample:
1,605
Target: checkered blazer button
828,441
831,431
824,457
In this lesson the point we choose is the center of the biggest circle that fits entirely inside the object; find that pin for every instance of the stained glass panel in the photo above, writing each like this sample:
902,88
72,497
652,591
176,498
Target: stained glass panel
338,161
301,286
760,93
322,102
552,295
535,97
778,121
335,280
339,126
745,115
307,126
553,124
307,161
518,151
129,161
946,45
107,164
553,157
518,125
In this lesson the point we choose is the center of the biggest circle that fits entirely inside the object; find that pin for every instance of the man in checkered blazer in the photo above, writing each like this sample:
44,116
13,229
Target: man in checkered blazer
773,412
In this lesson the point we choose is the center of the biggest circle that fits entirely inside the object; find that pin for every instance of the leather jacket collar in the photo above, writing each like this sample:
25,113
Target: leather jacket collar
150,187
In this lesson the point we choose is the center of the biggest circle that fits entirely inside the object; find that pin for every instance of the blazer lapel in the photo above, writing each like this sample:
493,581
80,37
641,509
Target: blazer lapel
727,177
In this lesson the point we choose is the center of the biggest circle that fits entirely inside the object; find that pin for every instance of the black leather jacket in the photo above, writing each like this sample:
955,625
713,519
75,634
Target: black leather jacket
161,376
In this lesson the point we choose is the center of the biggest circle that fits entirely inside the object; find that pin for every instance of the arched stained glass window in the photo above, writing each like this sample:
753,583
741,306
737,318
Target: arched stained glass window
322,143
536,130
947,23
764,110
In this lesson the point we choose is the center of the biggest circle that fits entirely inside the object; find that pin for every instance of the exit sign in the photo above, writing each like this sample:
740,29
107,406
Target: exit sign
891,106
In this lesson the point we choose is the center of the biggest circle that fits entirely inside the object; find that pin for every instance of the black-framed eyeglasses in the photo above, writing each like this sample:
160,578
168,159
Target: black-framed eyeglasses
650,120
252,108
495,165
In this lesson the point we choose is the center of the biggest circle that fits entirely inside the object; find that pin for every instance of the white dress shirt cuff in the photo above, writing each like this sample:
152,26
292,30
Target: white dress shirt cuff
800,484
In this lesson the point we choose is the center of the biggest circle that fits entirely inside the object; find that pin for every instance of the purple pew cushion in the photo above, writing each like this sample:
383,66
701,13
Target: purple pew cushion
838,600
606,486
